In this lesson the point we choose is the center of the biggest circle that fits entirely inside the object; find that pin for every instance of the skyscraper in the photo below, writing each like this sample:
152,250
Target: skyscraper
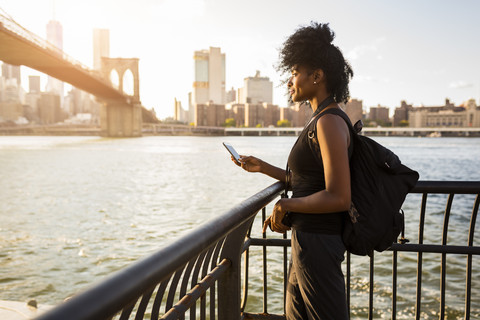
10,93
10,86
101,46
32,97
11,72
209,78
55,37
34,84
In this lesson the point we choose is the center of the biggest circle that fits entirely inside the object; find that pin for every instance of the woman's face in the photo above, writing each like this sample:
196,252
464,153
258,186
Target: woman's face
301,85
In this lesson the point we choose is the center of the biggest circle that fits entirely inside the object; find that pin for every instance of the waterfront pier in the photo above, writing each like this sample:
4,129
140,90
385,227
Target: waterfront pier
166,129
368,131
206,274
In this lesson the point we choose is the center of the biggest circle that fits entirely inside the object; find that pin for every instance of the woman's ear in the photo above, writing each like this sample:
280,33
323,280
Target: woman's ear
318,75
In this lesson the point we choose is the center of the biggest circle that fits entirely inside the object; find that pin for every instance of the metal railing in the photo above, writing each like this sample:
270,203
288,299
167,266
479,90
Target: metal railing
199,276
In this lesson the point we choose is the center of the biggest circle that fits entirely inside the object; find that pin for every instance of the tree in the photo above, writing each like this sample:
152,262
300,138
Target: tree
404,123
284,123
230,122
369,123
376,123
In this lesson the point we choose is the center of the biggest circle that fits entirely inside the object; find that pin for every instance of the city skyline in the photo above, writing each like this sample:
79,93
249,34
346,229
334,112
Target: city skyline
418,52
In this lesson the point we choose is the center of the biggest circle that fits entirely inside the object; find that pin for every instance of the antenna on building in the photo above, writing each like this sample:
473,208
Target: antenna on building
53,9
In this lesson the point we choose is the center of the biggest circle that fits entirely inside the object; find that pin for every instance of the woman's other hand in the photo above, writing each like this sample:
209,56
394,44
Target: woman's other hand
275,219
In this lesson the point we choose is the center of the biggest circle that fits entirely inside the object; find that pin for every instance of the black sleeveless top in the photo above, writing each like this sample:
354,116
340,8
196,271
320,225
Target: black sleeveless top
308,177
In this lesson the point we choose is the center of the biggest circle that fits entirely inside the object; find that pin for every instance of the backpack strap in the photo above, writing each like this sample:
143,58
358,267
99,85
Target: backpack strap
354,130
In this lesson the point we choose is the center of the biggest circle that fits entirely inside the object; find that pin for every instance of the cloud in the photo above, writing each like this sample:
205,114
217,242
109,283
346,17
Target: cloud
361,50
366,49
461,85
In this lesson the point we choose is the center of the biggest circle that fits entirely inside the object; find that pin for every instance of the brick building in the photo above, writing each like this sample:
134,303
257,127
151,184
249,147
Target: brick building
354,110
210,114
254,114
467,115
401,113
379,114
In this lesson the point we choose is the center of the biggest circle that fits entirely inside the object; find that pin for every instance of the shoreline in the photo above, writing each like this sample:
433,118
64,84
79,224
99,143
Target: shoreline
186,130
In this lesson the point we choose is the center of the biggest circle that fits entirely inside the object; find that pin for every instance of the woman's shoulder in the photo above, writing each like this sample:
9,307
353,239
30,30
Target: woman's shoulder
331,123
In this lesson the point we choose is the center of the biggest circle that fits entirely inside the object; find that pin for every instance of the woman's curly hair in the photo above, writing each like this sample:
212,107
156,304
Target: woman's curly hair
312,47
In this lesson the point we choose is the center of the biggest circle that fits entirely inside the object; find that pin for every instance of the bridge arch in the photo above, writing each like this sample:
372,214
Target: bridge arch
121,66
114,79
128,82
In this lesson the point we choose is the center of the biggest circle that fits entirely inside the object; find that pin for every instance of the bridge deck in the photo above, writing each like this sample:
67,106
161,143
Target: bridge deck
16,49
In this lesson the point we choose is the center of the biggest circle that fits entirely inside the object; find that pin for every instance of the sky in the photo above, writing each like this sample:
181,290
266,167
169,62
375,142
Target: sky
420,51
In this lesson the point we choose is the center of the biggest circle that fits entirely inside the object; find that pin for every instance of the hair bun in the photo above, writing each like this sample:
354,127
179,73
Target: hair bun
324,32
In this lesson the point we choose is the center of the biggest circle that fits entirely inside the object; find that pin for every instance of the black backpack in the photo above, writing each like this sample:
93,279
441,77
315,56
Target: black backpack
379,186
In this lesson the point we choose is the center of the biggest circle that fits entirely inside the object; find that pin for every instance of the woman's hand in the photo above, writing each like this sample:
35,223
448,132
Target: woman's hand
252,164
249,163
275,219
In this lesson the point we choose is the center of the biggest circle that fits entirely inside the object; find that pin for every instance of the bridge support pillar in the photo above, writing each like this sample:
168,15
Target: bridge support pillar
119,119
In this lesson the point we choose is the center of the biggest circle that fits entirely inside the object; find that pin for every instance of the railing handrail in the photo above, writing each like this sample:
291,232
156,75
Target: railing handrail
111,295
446,187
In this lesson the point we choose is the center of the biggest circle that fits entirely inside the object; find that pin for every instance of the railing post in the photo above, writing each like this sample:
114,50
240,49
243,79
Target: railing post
229,284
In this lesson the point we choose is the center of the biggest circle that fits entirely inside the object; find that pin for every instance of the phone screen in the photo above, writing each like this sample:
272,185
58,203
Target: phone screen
232,151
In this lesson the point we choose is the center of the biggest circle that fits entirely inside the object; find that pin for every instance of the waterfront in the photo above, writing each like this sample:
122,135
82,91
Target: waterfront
75,209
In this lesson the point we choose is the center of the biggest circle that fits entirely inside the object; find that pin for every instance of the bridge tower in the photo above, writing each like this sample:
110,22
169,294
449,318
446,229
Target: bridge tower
122,119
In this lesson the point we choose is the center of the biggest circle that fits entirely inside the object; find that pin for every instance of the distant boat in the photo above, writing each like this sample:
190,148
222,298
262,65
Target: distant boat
435,134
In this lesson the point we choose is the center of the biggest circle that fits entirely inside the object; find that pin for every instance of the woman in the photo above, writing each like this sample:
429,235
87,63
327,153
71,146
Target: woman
321,188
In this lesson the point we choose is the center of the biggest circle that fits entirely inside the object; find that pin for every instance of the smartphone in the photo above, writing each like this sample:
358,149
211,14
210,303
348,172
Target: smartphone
232,151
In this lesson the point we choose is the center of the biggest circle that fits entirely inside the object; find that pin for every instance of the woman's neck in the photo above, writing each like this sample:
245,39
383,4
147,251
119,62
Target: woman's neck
317,99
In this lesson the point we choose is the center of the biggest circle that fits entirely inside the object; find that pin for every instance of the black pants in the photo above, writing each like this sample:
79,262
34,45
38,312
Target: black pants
316,286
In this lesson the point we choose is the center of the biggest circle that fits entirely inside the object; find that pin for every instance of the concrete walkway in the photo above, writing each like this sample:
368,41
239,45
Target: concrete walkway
15,310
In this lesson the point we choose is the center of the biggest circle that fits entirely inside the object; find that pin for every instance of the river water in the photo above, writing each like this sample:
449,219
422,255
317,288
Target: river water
75,209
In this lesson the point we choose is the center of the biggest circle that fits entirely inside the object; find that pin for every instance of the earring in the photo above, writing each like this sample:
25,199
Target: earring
314,82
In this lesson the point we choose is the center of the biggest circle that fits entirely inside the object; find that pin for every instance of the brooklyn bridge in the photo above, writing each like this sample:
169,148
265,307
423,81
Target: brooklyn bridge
120,114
